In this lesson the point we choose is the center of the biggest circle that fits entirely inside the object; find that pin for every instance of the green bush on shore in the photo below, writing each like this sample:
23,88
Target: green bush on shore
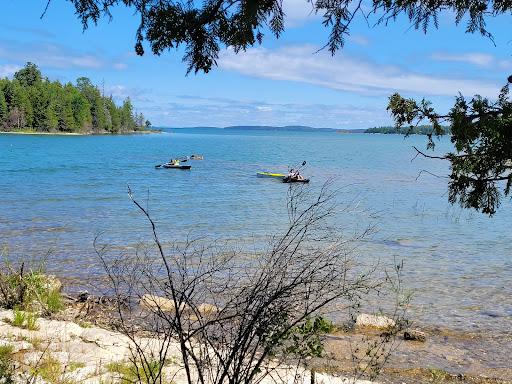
29,290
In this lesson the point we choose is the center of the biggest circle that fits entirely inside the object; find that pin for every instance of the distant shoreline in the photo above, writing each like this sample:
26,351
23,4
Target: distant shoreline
300,128
267,128
79,133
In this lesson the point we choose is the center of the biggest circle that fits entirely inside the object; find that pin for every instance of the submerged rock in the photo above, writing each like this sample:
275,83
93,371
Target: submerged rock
415,335
158,302
164,304
374,321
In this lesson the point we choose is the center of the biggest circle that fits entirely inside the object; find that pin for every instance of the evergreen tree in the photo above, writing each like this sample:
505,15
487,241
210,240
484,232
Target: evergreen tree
127,121
81,110
30,101
51,118
39,99
29,75
21,107
3,109
114,115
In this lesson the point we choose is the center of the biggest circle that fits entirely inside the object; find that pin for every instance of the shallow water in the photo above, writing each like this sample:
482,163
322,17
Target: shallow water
58,193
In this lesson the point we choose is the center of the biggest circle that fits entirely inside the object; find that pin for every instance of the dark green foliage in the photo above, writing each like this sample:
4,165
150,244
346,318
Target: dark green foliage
203,28
415,130
3,108
481,132
28,76
306,338
30,103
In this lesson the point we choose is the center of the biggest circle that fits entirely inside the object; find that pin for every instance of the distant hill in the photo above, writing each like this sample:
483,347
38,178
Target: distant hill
287,128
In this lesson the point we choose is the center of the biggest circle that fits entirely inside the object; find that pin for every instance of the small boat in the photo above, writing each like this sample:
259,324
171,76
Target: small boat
196,157
270,174
176,166
289,179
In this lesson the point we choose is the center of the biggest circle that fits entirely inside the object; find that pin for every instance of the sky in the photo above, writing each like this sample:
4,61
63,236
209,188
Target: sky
284,81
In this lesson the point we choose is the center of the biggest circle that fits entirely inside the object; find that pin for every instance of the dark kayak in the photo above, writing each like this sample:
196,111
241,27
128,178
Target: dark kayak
176,166
172,166
289,179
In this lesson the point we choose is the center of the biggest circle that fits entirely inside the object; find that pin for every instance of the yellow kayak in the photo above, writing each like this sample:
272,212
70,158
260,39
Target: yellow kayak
270,174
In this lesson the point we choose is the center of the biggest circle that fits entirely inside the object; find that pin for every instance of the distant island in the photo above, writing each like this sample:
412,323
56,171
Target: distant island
286,128
32,104
419,130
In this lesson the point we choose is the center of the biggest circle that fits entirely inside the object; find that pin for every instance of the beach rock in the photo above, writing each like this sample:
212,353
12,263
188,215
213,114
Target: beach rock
374,321
415,335
82,296
167,305
207,309
52,283
157,302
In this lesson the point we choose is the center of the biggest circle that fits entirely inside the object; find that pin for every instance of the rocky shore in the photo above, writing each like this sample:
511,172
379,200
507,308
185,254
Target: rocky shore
80,343
59,351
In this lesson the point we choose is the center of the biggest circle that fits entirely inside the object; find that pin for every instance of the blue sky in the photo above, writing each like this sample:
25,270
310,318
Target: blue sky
282,82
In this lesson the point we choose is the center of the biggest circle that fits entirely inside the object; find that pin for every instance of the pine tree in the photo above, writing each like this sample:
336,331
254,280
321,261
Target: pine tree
127,121
3,109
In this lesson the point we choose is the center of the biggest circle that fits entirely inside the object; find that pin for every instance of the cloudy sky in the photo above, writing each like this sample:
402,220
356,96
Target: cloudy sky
282,82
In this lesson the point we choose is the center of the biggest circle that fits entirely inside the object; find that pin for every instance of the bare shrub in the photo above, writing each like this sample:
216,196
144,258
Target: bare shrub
238,318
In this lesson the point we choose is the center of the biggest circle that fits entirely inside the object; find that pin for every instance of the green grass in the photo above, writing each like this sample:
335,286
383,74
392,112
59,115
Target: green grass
52,371
18,318
52,301
437,375
6,364
74,365
31,322
135,373
28,290
27,320
84,324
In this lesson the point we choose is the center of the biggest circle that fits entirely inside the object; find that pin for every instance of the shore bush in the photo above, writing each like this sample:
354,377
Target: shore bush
6,364
29,290
238,319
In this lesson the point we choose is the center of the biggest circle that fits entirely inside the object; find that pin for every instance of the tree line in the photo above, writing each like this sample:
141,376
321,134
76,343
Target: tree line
414,130
30,102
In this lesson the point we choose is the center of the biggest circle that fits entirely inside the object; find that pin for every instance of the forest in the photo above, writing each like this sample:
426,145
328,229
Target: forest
33,103
415,130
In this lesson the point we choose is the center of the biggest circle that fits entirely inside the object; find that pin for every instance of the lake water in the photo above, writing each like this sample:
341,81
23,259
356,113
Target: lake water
58,192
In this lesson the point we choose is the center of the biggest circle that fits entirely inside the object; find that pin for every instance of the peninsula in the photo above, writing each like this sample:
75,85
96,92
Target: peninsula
31,103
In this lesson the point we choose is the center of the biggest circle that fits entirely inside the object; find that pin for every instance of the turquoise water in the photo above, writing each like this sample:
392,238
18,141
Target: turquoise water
59,192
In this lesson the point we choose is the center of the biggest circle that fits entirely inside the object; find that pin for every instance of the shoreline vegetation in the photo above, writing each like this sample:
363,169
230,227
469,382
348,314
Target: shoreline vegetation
32,104
419,130
38,133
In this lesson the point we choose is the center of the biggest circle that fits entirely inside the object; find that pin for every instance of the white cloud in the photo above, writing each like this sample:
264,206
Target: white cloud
479,59
359,39
120,65
55,56
7,70
475,58
297,12
121,92
345,73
